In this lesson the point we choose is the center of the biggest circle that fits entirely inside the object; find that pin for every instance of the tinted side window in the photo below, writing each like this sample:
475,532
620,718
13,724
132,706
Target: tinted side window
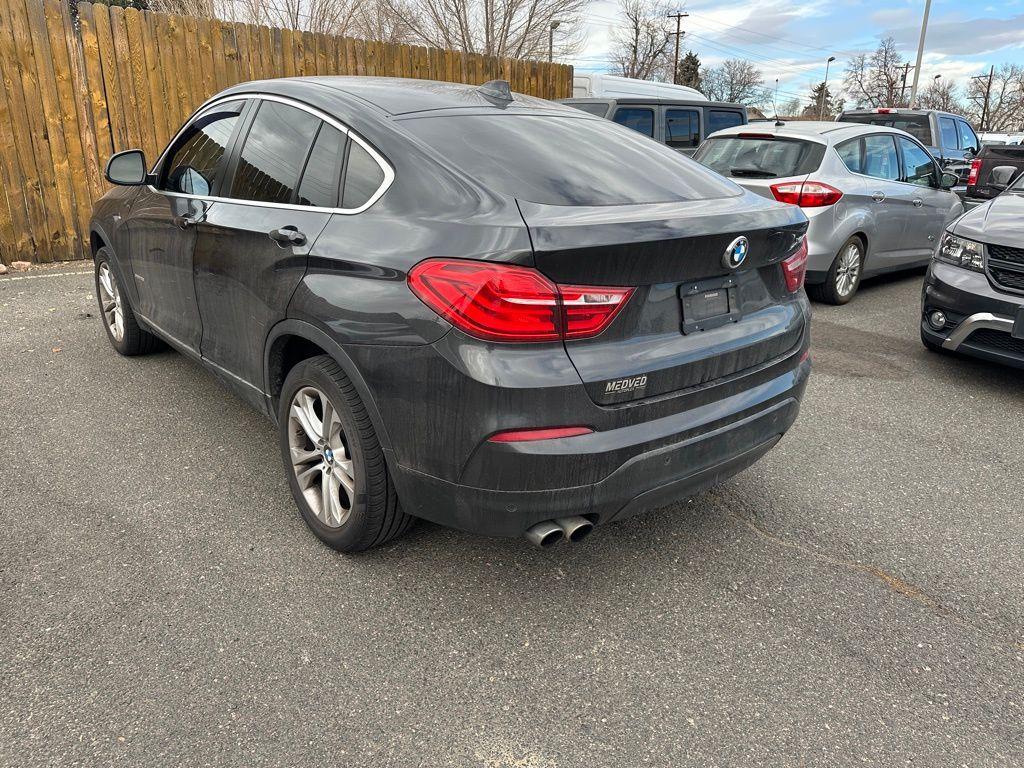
948,129
721,118
852,154
193,163
918,165
682,127
320,180
274,153
640,119
968,139
880,159
363,176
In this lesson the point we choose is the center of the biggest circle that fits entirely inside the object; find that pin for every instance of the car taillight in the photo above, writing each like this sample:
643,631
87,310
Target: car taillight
794,269
500,302
972,179
806,194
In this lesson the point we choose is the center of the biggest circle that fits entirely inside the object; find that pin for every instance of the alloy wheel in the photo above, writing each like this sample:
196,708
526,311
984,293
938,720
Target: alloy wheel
848,270
320,457
110,301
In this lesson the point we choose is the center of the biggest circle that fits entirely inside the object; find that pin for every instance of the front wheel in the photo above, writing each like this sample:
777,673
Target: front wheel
843,278
123,330
336,468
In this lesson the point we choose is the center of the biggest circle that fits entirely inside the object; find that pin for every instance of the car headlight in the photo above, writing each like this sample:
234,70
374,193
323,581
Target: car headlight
961,252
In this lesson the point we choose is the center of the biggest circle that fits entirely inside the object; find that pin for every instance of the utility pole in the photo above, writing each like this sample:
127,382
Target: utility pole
988,93
903,84
920,51
679,34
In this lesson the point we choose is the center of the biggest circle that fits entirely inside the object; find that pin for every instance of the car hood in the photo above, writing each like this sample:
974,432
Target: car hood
1000,221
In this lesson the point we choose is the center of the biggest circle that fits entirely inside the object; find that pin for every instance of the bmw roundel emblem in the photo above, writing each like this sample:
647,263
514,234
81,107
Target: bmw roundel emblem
736,253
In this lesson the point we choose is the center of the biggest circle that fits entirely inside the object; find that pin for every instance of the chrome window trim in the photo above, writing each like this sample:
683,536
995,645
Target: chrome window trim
385,166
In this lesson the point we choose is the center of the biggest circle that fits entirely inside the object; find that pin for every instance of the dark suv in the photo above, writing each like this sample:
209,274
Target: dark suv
950,138
482,309
973,300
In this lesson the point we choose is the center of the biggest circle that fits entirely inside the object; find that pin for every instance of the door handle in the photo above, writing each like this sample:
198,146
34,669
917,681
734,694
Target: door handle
288,236
918,202
878,197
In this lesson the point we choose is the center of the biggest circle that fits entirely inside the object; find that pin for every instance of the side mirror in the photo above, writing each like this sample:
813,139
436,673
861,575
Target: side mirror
1001,177
127,169
949,180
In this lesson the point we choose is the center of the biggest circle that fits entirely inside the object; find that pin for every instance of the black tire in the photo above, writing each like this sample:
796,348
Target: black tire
374,516
134,340
829,292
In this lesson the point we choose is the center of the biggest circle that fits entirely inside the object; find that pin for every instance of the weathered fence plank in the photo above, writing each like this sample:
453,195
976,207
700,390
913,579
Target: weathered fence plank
72,92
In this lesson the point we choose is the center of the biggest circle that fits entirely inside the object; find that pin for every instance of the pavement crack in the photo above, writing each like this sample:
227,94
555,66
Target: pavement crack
891,581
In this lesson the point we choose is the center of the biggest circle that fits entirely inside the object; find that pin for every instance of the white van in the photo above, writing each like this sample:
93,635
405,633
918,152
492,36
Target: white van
612,86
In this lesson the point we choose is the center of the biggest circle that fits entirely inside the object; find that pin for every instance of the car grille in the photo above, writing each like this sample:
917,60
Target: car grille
1006,253
997,341
1008,278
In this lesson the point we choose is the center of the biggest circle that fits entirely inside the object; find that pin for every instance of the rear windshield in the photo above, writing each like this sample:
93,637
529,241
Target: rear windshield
760,158
916,125
558,160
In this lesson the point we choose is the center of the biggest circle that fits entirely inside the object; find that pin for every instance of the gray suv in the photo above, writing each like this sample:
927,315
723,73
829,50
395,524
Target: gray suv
875,197
677,123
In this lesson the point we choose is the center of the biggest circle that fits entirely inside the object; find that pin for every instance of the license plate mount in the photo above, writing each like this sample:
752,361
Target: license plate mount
708,304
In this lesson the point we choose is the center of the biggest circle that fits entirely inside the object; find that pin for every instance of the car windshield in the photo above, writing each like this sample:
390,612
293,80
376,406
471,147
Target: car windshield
760,158
916,125
567,160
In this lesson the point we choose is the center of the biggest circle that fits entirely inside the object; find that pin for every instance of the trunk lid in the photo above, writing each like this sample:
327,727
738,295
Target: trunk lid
692,318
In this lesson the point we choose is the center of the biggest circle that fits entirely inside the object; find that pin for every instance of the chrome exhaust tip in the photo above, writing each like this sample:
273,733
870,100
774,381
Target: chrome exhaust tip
545,534
575,528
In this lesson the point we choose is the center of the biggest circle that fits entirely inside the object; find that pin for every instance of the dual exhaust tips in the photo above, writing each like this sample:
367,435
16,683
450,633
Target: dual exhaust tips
551,532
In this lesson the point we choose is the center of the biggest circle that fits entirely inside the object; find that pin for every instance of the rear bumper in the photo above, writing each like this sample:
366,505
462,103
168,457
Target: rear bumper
980,318
669,459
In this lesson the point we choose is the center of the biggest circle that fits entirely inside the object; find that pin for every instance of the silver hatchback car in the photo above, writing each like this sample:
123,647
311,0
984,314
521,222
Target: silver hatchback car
876,199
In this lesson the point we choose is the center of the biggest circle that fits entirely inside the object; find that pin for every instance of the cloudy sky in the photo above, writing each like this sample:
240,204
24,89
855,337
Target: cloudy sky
791,39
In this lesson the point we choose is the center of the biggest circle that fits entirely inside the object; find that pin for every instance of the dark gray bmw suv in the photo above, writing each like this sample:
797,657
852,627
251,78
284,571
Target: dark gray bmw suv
486,310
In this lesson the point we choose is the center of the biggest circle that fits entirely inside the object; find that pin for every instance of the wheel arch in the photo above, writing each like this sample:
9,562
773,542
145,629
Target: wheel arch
291,341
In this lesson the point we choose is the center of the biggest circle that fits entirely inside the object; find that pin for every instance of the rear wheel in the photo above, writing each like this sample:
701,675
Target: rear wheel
336,468
123,330
843,278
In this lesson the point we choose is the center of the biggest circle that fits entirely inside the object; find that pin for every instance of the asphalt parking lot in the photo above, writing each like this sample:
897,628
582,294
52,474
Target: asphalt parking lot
856,598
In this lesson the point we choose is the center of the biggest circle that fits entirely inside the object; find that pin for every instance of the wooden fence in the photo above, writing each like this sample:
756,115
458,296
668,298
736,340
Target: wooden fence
73,93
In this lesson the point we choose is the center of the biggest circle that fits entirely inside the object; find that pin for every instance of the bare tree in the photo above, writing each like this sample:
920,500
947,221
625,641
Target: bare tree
733,80
641,45
336,17
941,94
877,80
516,29
1005,99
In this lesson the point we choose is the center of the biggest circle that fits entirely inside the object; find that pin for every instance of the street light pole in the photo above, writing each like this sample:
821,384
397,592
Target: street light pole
920,51
551,40
824,90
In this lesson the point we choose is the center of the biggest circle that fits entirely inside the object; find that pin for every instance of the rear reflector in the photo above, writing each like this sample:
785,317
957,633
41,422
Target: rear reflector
542,433
975,172
806,194
500,302
794,269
